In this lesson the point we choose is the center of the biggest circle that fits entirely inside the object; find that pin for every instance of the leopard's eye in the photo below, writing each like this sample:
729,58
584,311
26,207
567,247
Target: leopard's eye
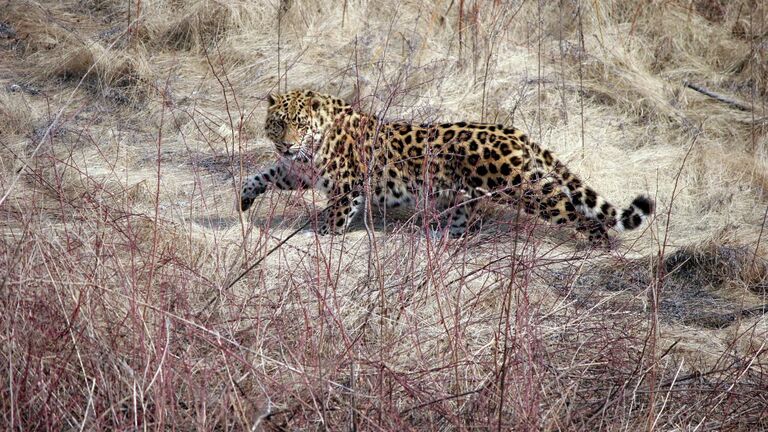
276,123
275,128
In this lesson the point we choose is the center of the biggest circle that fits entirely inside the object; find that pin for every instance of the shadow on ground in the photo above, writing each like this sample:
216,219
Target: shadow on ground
708,286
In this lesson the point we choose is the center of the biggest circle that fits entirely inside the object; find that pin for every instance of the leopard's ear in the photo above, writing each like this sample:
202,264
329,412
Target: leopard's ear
272,98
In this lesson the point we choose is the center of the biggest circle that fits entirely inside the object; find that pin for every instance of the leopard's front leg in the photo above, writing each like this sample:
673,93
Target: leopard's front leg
341,210
285,174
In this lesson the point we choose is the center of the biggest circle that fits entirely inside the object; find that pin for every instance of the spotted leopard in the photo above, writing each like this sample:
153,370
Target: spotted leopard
328,145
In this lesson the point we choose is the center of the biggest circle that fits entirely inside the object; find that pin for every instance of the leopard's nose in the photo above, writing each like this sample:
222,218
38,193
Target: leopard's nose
282,146
285,149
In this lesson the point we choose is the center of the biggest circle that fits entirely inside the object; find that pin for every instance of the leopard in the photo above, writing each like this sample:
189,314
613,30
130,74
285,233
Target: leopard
351,156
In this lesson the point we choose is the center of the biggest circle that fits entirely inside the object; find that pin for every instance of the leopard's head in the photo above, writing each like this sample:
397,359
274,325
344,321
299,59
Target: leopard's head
297,120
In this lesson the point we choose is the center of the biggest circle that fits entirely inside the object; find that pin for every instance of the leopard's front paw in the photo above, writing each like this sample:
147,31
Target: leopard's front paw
252,188
245,203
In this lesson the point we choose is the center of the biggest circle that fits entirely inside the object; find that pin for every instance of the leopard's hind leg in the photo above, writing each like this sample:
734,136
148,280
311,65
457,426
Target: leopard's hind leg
545,198
460,208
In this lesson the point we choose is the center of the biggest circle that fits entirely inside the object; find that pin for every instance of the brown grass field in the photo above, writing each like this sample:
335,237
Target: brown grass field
126,127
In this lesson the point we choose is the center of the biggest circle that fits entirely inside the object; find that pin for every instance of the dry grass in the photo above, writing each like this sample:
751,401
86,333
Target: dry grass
126,127
15,113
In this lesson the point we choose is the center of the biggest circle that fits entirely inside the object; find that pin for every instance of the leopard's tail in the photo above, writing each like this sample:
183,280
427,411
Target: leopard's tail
593,206
636,214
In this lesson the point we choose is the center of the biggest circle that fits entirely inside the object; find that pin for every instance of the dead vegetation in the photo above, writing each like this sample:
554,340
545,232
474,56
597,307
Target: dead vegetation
708,285
126,127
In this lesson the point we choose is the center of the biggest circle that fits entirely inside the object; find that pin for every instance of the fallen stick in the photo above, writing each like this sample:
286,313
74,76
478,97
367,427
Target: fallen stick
252,266
718,97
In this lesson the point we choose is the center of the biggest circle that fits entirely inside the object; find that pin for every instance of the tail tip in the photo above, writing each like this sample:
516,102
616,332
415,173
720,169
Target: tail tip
634,215
645,204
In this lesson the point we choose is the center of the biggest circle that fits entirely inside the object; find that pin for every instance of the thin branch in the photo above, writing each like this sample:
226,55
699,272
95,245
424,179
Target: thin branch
718,97
253,266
